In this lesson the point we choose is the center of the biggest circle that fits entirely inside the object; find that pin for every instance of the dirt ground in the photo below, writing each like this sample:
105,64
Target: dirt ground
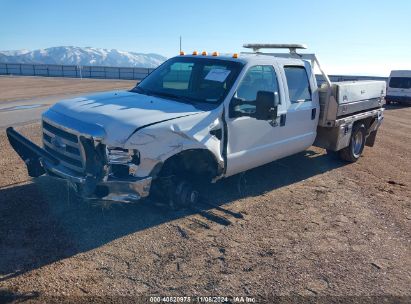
20,88
306,225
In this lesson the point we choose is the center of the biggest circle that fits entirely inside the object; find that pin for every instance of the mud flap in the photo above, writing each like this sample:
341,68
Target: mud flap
370,141
29,152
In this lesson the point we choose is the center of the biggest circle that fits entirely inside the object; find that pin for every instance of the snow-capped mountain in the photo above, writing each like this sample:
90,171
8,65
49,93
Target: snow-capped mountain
72,55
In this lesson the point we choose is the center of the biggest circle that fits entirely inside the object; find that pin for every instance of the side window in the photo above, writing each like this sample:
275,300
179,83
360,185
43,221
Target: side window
298,84
257,78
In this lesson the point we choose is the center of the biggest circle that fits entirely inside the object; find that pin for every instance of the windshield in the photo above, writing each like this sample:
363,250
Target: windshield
192,79
400,82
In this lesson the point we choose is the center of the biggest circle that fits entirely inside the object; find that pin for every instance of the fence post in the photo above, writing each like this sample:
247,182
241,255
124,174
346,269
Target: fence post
21,72
7,69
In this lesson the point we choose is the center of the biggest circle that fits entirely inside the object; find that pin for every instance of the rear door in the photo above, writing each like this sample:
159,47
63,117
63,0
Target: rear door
303,106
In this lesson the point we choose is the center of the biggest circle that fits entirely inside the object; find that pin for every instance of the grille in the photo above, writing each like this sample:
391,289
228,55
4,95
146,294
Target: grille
65,146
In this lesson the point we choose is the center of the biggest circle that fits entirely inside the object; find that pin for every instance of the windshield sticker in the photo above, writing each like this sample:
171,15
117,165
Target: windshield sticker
217,75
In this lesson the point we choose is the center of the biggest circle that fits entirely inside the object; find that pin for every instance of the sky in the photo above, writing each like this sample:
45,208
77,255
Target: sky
361,37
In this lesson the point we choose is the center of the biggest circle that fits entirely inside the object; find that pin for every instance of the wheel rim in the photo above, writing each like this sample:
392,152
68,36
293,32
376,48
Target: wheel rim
193,198
186,195
357,143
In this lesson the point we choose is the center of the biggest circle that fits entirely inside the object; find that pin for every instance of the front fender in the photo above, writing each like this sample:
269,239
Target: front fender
157,143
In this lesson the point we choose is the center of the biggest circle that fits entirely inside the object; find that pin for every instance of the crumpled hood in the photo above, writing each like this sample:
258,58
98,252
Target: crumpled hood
120,113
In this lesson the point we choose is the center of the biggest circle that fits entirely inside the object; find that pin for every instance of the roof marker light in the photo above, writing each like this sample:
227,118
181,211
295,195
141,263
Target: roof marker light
204,53
195,53
182,53
235,55
215,54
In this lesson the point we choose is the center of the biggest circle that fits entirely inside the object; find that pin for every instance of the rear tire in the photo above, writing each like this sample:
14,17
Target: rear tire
357,142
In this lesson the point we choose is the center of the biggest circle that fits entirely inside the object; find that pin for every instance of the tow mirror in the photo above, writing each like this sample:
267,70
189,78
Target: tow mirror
266,105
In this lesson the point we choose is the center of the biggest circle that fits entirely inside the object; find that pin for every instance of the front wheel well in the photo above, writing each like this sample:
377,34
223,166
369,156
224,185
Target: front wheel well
193,163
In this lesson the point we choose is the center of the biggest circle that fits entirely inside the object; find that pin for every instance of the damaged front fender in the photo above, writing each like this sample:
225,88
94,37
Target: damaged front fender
159,142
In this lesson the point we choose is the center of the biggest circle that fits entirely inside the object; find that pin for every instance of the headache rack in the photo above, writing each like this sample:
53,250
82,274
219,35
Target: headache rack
358,96
292,47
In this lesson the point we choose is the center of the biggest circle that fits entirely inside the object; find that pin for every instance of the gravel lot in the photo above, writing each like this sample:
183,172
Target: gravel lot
305,225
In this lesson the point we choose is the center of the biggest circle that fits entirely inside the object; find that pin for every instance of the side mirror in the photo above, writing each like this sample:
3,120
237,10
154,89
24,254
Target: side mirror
266,105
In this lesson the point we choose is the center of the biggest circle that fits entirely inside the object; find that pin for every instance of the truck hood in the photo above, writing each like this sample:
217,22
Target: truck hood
118,114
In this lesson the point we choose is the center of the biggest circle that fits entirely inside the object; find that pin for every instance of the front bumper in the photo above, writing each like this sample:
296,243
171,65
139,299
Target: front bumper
40,162
404,99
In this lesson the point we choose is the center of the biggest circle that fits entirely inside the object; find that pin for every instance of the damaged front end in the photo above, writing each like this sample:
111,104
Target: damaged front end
94,170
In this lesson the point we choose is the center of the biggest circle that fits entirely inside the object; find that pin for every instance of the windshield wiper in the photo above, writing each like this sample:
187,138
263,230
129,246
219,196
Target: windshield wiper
141,91
174,97
182,98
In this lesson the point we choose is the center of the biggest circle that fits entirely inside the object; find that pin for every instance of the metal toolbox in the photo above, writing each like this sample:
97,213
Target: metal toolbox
349,97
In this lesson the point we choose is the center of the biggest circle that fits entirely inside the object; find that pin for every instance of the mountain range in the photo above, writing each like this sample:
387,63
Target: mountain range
73,55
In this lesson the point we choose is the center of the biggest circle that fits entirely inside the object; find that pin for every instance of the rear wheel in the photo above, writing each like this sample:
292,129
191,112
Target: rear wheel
357,142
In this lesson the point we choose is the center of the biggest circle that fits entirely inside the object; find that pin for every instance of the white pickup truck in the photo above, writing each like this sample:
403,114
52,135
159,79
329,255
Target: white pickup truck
199,118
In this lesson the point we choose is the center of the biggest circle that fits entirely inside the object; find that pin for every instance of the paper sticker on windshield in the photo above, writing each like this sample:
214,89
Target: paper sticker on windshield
217,75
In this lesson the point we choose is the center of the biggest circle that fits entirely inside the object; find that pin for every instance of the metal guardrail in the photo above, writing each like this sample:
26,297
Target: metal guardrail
74,71
105,72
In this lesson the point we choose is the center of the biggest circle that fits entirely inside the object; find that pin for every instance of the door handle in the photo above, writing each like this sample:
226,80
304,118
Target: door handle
274,122
283,118
313,113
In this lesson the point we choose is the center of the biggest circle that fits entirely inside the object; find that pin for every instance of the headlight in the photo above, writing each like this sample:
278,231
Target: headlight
122,156
123,163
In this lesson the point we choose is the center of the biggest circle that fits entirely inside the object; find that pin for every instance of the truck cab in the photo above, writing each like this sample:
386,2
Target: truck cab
199,118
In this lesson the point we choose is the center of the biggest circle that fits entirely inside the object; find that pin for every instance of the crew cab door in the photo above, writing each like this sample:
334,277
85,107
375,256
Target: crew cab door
252,142
302,104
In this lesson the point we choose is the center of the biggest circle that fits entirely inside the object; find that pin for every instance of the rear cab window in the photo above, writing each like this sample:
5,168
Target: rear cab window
299,89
